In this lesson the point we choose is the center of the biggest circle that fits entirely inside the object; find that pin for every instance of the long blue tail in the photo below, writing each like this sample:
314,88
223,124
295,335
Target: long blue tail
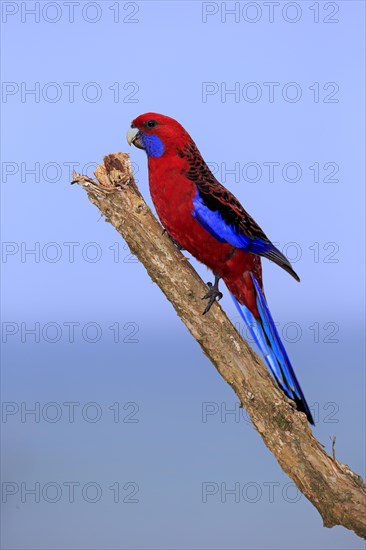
269,342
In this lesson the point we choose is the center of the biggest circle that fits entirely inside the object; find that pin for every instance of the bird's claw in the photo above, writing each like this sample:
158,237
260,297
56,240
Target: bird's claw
212,296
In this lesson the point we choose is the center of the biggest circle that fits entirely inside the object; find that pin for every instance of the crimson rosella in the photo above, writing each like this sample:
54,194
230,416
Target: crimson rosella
205,219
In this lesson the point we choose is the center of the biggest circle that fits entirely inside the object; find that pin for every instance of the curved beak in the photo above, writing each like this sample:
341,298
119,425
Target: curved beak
133,137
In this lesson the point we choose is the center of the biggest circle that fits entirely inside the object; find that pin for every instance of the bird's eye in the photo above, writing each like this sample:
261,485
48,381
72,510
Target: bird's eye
132,125
151,123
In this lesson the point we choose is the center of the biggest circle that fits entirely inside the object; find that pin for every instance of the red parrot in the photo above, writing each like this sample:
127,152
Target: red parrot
204,218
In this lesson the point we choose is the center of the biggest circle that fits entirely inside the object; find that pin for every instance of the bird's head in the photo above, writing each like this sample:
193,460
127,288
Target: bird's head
157,134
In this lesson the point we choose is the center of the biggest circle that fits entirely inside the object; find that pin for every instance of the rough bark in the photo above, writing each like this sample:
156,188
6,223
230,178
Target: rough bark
333,488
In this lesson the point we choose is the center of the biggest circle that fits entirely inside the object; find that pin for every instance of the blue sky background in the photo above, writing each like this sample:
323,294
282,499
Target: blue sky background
159,56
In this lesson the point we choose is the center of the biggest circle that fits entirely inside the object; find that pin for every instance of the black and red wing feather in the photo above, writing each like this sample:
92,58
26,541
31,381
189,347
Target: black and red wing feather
219,199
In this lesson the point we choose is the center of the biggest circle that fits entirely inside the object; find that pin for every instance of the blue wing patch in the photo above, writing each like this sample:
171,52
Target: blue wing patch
225,232
214,223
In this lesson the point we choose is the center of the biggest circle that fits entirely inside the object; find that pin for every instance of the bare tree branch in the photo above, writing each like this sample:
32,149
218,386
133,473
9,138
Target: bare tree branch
333,488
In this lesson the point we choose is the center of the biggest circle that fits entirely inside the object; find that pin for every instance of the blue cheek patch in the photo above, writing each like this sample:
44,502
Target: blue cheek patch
153,145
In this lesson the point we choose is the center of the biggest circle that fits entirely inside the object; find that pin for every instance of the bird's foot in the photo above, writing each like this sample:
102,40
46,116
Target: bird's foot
212,295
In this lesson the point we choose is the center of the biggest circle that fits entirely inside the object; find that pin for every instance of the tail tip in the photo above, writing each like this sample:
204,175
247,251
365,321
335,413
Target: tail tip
303,407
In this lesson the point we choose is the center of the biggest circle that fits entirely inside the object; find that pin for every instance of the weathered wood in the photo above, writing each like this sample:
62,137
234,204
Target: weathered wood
338,493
